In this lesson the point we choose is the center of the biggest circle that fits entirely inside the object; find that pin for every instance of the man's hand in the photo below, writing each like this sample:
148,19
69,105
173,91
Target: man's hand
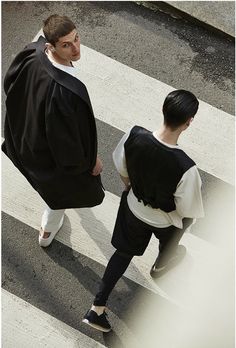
98,167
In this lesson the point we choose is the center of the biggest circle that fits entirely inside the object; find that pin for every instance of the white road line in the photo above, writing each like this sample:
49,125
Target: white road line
24,325
122,96
88,231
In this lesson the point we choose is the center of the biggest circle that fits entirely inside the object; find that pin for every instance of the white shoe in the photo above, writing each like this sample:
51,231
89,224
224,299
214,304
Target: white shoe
44,242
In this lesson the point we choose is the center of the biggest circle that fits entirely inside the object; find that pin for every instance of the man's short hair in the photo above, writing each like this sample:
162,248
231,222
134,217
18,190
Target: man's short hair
179,106
57,26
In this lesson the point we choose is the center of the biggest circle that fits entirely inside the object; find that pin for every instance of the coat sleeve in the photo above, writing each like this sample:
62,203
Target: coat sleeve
18,62
16,66
63,129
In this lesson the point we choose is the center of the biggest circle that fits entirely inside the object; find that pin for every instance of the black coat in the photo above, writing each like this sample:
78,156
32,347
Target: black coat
50,132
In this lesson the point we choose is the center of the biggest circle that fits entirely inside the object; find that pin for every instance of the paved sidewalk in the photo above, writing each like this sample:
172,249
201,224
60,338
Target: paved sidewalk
218,14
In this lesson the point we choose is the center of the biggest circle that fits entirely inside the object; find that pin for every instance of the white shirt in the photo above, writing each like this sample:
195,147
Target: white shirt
68,69
188,197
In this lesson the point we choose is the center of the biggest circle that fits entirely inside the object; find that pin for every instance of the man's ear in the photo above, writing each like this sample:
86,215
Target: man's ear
50,47
189,121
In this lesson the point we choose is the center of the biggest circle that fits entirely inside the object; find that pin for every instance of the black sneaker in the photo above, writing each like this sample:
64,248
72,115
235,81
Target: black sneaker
98,322
157,270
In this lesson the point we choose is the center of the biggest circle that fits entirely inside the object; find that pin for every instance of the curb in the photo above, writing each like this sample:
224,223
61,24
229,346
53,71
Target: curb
178,14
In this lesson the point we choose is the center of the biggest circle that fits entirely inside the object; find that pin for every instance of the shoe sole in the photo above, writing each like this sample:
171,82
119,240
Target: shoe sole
45,242
172,264
95,326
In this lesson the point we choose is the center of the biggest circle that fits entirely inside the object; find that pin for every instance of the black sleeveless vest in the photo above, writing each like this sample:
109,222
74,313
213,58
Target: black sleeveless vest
154,169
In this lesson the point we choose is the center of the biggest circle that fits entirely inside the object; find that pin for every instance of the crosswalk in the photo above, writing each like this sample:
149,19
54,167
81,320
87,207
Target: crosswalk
121,96
30,327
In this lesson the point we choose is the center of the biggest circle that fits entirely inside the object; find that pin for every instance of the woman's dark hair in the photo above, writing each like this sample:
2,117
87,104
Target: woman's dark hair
57,26
179,106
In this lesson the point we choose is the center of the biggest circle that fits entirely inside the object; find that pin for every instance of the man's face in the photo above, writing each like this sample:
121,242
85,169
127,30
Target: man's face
68,47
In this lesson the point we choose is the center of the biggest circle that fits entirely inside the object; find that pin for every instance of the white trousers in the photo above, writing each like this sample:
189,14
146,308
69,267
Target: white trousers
52,220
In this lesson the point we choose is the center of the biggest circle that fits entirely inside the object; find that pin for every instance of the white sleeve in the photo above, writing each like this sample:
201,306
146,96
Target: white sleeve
188,196
119,156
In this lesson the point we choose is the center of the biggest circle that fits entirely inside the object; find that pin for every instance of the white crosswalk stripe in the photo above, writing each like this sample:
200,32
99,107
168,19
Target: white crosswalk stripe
120,96
30,327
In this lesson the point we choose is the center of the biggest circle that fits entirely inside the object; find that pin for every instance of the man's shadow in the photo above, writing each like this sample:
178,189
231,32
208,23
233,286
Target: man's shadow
93,227
104,241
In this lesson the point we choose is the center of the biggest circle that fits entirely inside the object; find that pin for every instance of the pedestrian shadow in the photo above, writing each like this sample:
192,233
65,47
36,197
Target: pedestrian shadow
104,243
112,340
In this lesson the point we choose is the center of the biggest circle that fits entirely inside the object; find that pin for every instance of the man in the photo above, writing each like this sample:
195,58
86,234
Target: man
50,131
162,196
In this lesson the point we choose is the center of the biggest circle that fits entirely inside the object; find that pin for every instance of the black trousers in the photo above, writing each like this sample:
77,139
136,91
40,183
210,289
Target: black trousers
168,241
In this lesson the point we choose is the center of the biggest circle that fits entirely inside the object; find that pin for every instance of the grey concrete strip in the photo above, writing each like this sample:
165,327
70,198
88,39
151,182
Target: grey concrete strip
218,14
26,326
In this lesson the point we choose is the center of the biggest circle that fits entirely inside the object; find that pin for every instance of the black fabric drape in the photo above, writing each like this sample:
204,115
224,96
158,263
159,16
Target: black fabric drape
50,131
